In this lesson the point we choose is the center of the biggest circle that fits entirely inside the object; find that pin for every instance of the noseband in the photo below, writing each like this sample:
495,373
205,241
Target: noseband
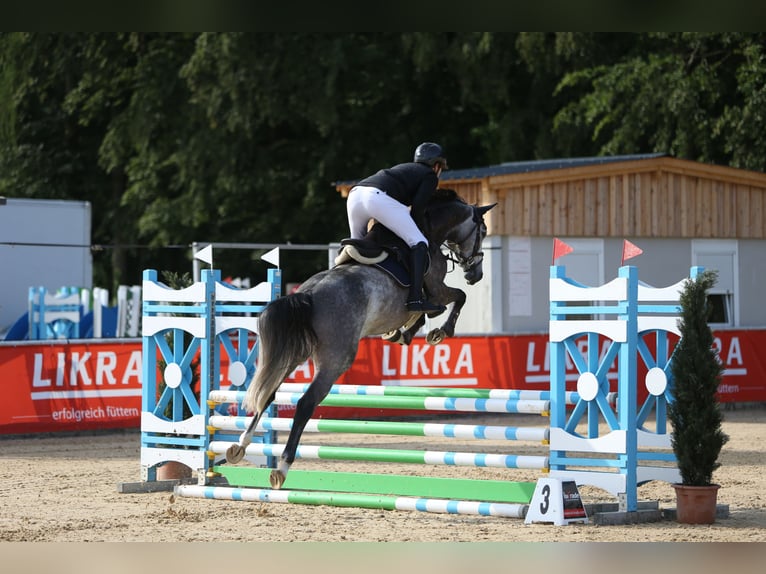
477,255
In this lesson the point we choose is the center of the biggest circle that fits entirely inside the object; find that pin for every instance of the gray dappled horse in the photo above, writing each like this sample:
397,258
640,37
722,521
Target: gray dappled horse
330,312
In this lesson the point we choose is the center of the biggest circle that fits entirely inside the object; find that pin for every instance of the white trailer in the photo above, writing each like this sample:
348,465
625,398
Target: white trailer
43,243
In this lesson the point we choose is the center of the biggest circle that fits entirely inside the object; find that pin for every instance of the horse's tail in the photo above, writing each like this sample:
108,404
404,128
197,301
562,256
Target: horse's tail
286,339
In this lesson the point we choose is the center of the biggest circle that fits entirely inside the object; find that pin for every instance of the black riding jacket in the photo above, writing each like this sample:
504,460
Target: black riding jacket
408,183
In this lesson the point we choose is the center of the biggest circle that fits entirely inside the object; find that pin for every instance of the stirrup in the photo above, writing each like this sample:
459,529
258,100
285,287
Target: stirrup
425,307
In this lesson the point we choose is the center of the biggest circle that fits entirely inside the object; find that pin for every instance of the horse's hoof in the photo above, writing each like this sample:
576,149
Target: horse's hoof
235,453
393,336
277,479
436,336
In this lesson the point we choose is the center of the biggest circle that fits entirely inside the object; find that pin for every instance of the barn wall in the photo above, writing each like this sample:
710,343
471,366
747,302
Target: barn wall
654,202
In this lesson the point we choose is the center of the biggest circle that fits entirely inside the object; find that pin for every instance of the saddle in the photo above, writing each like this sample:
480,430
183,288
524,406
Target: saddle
380,248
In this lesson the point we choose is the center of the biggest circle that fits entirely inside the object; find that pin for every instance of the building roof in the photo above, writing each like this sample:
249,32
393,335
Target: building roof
638,195
530,166
515,167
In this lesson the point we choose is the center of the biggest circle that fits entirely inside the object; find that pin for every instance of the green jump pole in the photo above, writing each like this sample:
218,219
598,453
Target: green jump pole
387,484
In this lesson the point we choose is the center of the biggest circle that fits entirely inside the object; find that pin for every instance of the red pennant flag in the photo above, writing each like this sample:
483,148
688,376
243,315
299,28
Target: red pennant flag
560,249
629,251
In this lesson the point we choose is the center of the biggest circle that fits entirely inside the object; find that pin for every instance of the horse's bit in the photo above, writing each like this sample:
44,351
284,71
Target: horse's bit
477,255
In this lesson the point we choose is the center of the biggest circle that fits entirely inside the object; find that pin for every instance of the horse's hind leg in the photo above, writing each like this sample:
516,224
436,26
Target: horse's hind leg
236,452
304,409
404,335
410,329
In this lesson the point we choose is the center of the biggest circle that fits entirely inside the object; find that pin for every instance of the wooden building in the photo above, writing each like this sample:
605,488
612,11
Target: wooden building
680,213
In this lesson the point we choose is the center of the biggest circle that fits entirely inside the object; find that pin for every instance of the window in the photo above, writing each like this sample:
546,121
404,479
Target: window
585,265
722,256
720,304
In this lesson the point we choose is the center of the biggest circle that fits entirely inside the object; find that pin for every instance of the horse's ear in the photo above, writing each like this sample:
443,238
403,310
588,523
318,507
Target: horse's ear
485,208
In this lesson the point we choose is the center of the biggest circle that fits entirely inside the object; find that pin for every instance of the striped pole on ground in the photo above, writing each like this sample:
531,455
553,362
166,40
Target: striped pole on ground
353,500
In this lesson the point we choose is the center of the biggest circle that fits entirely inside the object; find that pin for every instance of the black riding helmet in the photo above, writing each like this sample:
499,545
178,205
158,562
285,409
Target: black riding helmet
430,153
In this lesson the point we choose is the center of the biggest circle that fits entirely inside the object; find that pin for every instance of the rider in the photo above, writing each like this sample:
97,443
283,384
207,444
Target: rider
387,195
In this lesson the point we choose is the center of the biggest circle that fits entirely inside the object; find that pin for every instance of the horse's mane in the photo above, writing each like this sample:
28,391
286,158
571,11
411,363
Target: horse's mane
445,205
444,195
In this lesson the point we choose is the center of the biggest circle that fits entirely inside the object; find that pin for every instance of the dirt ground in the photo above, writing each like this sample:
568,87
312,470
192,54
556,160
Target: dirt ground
64,489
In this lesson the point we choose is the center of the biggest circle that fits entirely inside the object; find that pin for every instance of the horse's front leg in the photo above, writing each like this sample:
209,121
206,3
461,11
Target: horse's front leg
445,296
441,294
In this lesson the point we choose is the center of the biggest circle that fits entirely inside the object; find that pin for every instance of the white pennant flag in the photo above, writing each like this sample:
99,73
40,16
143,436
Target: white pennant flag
205,255
272,257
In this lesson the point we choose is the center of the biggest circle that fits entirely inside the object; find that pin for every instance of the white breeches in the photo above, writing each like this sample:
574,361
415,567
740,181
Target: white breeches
365,203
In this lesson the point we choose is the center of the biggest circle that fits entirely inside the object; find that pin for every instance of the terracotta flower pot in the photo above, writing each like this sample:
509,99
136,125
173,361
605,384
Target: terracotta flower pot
696,504
173,470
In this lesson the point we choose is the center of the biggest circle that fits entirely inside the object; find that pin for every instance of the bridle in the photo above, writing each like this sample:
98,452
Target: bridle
477,255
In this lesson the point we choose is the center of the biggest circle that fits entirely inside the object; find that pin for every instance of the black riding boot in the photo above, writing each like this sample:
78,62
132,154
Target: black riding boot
416,301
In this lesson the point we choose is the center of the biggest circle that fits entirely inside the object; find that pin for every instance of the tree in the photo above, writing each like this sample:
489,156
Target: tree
695,96
238,137
82,105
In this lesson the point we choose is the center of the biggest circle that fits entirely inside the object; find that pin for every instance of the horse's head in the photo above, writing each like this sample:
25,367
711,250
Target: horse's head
465,243
461,227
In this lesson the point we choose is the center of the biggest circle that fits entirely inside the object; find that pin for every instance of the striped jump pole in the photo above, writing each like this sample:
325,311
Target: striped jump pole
458,404
462,431
384,491
344,499
393,455
401,391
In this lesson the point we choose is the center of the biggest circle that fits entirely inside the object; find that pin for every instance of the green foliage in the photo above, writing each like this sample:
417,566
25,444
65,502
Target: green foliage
238,137
176,138
696,96
176,280
696,373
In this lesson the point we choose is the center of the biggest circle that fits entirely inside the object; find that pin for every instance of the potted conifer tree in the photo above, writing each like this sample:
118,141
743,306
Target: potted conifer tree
695,413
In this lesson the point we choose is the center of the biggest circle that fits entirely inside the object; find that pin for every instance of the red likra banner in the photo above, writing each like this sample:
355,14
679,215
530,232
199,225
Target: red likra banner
60,386
520,362
72,386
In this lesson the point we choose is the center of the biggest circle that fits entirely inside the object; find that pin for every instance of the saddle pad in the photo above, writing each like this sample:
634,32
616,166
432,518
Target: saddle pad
395,270
389,265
